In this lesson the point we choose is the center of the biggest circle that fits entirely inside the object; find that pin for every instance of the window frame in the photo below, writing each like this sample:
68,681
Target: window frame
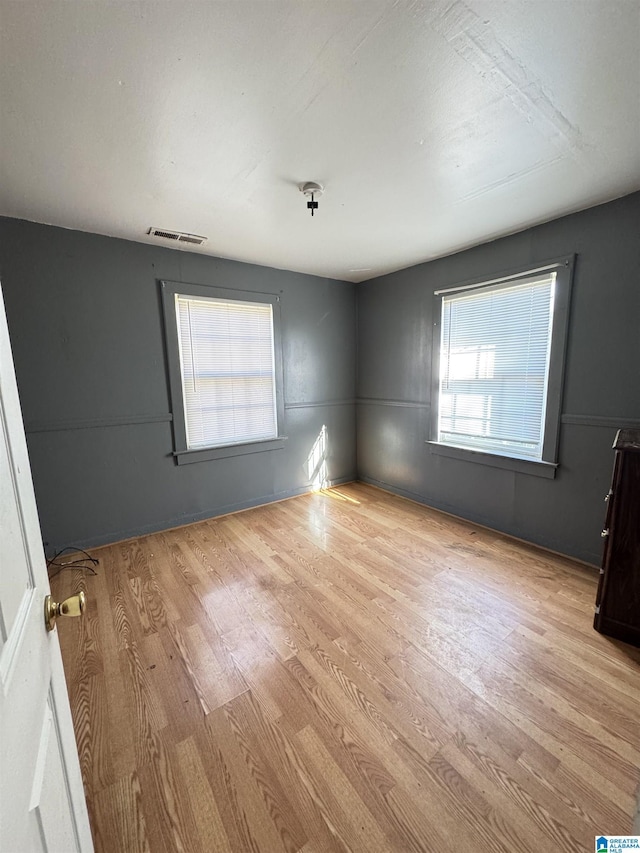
548,465
182,454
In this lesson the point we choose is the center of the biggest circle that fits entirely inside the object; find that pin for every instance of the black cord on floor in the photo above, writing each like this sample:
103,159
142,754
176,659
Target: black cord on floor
82,563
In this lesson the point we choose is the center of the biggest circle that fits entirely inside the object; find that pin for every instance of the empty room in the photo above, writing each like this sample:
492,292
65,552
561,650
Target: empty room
320,412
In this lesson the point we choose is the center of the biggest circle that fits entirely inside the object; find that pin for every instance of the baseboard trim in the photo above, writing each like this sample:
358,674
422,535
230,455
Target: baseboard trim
418,499
117,537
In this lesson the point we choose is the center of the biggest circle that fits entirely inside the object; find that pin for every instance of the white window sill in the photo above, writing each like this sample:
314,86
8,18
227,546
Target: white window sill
481,457
205,454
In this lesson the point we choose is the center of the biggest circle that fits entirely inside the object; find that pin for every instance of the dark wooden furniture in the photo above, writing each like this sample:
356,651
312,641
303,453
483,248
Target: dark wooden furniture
618,598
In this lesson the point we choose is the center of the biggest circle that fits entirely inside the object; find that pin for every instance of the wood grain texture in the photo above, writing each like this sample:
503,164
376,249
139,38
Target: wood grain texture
347,671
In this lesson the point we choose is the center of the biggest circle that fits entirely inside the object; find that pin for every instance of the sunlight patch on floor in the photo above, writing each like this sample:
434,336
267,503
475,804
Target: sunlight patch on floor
336,495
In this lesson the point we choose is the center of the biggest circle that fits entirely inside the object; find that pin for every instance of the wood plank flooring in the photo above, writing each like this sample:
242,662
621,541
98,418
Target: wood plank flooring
347,671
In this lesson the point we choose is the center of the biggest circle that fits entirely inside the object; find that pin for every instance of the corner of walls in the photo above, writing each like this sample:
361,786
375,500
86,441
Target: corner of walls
86,325
564,514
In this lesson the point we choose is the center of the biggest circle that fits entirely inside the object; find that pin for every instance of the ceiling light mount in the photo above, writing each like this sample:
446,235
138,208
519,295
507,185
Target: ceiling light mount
311,189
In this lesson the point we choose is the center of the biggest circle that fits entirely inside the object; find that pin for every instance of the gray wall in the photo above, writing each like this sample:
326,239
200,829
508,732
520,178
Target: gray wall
86,327
601,392
85,321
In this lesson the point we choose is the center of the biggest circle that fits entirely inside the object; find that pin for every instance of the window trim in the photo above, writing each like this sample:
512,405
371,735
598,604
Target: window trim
182,454
547,466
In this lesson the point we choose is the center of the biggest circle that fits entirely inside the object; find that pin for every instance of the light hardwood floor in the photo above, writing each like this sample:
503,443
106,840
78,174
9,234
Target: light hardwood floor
347,671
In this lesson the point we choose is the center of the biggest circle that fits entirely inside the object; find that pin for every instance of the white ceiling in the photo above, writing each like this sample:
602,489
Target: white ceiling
433,125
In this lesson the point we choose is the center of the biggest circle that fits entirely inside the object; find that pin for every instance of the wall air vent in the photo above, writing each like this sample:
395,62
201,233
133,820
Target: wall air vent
177,236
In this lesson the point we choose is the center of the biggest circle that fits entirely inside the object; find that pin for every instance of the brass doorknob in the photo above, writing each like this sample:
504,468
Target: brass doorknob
75,605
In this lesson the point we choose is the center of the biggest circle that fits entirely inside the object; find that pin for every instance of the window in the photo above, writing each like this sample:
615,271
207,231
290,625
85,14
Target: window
224,369
227,369
501,351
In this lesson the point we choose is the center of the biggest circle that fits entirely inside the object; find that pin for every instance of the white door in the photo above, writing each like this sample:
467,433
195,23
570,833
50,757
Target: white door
42,805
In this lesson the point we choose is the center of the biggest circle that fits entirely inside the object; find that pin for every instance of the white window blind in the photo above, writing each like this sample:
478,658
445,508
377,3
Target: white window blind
494,367
228,370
